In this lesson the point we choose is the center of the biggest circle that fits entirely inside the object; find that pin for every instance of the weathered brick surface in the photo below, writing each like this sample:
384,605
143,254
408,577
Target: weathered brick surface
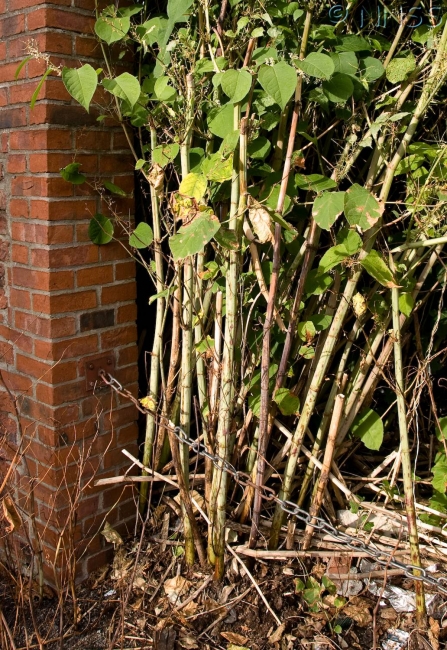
63,301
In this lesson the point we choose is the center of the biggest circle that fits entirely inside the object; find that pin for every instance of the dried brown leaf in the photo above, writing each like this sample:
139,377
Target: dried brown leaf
233,637
11,514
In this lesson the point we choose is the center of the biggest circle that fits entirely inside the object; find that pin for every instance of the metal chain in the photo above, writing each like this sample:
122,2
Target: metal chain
290,508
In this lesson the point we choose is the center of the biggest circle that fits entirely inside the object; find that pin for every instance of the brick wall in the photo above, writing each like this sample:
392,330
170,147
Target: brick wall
63,300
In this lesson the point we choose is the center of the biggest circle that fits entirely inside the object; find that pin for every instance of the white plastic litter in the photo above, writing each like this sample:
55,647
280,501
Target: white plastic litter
111,592
395,640
404,601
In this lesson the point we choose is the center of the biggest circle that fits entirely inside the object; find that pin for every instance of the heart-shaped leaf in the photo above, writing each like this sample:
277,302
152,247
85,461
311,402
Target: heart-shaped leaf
236,84
192,239
142,236
278,81
193,185
376,266
111,29
361,207
317,65
327,207
81,83
368,426
125,86
100,230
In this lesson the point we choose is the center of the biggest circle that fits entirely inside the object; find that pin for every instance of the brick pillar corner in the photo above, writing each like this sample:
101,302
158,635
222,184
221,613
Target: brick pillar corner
64,302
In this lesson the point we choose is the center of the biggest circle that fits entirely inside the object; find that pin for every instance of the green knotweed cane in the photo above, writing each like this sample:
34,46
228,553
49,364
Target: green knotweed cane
431,86
405,456
218,497
154,378
187,365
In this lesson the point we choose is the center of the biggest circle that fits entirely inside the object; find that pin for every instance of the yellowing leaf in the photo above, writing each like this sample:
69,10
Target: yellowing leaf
148,402
261,222
111,535
359,305
193,185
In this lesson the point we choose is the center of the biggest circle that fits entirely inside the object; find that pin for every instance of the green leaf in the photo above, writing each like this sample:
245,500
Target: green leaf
140,164
71,174
375,265
321,321
311,596
193,185
221,120
329,585
192,239
236,84
125,86
177,10
398,68
114,188
317,65
345,62
339,88
111,29
163,294
352,43
441,433
327,207
315,182
217,169
288,403
350,240
39,86
142,236
163,91
317,283
332,257
299,585
361,207
368,426
439,470
81,83
227,239
306,330
278,81
306,352
229,143
100,230
259,148
372,69
21,65
406,304
165,154
205,345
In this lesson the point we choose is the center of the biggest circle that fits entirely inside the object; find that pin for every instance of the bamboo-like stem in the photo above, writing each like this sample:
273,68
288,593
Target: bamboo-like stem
216,544
198,332
428,91
154,378
264,428
327,459
405,456
187,366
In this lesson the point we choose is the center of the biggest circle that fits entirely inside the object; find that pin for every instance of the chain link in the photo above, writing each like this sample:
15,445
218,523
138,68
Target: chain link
290,508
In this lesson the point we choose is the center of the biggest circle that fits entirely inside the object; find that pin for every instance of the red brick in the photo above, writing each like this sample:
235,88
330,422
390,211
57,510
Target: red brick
13,117
69,20
14,5
16,382
127,314
4,97
87,47
77,347
51,89
8,70
60,257
125,271
95,275
117,337
16,163
65,303
128,355
33,367
41,280
46,113
115,163
118,293
12,25
20,254
40,139
19,298
90,140
18,208
56,395
60,210
53,162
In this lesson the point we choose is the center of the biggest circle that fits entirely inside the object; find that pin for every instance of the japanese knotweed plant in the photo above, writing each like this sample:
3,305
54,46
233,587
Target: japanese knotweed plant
283,154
